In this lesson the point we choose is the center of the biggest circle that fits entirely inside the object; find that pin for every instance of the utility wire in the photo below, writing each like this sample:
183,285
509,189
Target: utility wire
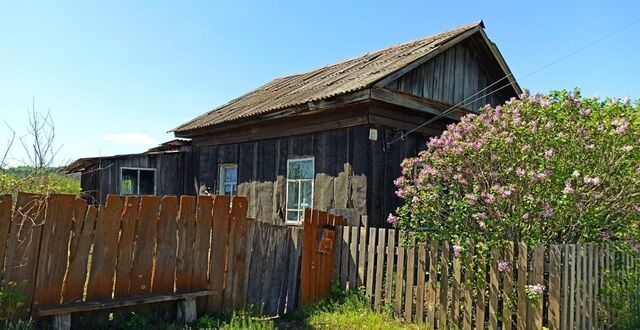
464,102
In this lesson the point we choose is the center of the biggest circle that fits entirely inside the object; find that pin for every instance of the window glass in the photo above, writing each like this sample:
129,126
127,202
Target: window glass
147,182
300,174
228,179
129,184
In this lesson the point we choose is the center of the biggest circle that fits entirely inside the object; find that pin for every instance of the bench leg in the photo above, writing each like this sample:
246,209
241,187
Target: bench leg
62,322
186,311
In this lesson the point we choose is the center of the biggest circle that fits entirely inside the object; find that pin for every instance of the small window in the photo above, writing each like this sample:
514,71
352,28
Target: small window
138,181
300,173
228,182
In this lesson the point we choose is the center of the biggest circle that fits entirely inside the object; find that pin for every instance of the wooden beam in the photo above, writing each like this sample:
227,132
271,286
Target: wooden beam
107,304
408,101
446,45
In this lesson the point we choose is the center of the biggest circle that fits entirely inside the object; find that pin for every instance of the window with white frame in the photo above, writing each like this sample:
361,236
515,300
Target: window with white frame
300,173
228,179
137,181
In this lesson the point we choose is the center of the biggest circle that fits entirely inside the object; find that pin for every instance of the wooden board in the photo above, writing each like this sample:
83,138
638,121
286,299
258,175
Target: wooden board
79,211
146,233
380,250
125,246
432,290
105,246
444,287
54,243
186,236
522,283
353,260
204,218
165,269
371,252
219,241
397,301
391,261
6,206
507,294
77,272
420,288
455,292
411,259
554,287
494,289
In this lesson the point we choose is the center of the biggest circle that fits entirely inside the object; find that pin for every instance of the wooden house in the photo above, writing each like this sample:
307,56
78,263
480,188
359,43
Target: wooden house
322,138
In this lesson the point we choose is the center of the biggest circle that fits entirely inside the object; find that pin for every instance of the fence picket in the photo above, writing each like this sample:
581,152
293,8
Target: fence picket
444,285
554,288
455,293
5,224
411,259
344,259
432,292
362,257
420,289
382,242
523,266
481,296
145,245
219,242
371,253
397,303
391,261
572,287
468,289
507,295
125,246
353,260
164,275
77,271
494,289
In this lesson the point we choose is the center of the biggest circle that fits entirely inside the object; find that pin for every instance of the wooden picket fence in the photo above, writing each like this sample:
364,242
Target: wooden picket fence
59,250
426,284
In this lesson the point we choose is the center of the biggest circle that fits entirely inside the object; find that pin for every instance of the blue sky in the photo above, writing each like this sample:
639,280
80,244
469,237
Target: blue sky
117,72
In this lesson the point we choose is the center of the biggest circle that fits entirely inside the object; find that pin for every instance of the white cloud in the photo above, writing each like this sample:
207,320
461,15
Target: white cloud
129,138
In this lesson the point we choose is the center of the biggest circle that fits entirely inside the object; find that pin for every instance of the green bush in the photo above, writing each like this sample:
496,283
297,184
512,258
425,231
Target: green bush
619,303
41,181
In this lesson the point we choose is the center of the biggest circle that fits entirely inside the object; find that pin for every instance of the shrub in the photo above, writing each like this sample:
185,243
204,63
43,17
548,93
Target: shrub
556,168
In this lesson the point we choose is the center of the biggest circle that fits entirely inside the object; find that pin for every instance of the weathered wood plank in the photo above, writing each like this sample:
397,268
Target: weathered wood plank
420,288
391,261
523,266
537,277
353,266
105,249
554,288
381,250
362,257
186,237
293,287
6,206
371,253
125,246
219,241
165,269
469,277
345,259
305,271
146,232
444,285
239,264
432,293
79,211
77,272
397,302
455,292
572,287
481,303
54,243
494,289
507,295
411,265
204,218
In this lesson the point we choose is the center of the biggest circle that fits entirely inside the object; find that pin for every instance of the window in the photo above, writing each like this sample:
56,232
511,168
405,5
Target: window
228,182
137,181
300,173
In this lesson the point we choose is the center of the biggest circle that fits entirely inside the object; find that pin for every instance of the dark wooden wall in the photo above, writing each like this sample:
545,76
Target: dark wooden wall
341,166
170,172
457,74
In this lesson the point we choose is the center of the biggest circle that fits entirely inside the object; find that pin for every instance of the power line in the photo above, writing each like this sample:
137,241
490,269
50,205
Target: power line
463,104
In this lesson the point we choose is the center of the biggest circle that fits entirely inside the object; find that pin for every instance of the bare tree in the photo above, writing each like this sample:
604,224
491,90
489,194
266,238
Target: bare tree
9,145
38,142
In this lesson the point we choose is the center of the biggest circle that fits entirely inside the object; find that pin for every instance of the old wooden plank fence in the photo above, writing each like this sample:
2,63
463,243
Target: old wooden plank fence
426,283
59,250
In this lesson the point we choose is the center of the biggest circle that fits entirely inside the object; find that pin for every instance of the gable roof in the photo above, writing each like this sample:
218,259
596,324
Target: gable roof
332,80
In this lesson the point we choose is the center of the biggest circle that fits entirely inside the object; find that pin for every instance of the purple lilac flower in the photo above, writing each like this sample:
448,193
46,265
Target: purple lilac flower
548,154
592,181
526,147
605,236
537,288
627,148
637,208
503,266
521,172
457,249
585,112
482,224
488,198
398,181
525,216
415,200
547,212
568,189
471,199
400,193
626,100
621,124
392,219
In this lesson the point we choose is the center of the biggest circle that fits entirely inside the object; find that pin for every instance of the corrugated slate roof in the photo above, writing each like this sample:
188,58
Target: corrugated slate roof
323,83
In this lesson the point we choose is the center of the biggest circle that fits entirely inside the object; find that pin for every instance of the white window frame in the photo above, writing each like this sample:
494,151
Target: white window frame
138,180
221,181
287,209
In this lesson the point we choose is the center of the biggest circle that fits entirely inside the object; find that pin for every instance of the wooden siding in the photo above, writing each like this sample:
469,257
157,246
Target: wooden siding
456,74
171,169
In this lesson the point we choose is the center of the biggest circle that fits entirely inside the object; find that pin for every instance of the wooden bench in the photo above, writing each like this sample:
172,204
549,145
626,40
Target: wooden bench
62,313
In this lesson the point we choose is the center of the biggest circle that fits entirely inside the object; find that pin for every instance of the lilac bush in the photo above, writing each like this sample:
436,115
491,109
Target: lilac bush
556,168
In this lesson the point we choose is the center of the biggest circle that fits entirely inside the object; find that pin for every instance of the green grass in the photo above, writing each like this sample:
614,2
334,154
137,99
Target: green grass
348,309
